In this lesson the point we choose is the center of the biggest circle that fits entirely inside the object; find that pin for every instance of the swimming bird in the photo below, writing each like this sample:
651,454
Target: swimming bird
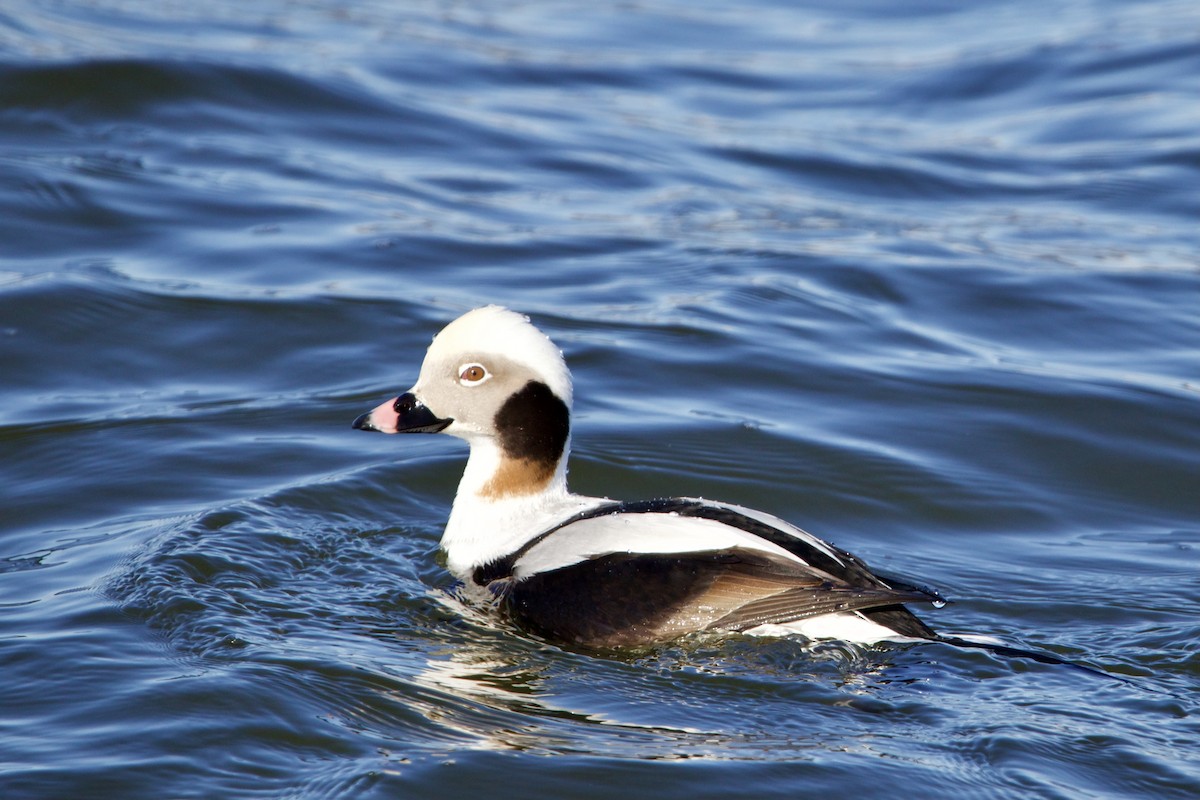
601,573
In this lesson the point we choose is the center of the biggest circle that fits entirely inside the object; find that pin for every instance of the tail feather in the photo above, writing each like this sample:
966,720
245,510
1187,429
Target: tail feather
1008,651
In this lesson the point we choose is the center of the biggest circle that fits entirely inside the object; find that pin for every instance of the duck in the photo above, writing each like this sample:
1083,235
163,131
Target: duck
598,573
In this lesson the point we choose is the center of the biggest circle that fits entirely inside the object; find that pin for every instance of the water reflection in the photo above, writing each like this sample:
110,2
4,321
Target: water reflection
704,697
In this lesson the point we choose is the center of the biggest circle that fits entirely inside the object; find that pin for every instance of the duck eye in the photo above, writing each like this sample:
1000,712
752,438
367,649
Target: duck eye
472,374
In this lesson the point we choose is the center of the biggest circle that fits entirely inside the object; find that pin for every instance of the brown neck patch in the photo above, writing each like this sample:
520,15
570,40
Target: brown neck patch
518,476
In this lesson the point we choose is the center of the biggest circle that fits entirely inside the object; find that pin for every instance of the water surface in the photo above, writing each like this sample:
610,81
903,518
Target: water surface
922,279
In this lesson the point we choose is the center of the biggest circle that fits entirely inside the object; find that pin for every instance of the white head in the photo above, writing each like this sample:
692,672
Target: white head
492,378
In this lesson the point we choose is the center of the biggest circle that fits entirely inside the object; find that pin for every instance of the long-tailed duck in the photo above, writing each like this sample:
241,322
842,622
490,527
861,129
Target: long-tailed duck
599,573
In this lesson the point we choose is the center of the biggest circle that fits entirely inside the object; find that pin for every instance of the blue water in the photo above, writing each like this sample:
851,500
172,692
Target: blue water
923,278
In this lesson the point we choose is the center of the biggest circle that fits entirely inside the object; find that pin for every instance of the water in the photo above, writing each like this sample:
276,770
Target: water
922,278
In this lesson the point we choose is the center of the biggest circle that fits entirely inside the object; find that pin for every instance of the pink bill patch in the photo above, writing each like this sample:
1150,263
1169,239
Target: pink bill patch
384,418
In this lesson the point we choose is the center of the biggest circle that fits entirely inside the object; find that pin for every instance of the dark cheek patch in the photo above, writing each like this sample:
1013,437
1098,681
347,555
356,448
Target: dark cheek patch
534,425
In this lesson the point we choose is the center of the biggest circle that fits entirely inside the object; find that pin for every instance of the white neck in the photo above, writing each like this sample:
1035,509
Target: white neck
485,525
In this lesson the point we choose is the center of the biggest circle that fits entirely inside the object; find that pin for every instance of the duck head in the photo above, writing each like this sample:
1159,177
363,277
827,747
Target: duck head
490,377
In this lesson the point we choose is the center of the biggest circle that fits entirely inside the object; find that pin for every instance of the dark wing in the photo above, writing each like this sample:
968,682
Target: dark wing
843,566
621,599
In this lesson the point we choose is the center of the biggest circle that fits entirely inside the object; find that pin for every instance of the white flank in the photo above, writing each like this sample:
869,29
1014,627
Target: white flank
639,533
847,627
